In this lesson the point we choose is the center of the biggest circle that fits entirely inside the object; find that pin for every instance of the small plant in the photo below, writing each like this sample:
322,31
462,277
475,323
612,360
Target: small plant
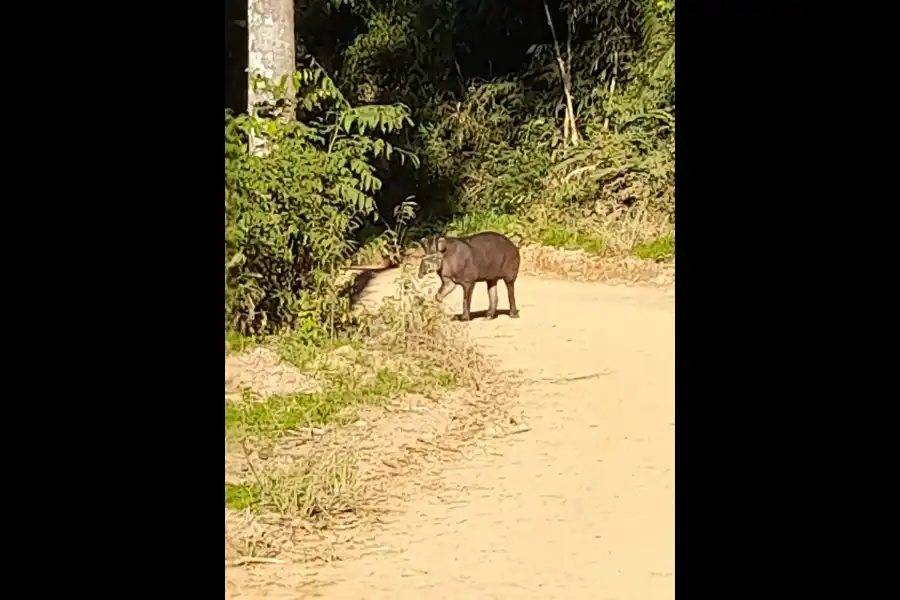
659,249
395,238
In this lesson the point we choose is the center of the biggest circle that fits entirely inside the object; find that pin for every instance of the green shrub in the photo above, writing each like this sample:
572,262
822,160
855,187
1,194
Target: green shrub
291,210
504,146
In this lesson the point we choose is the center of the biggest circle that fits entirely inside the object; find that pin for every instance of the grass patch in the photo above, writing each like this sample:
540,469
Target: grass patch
470,223
629,231
407,346
558,236
662,248
297,350
241,496
324,482
279,414
235,342
522,229
624,231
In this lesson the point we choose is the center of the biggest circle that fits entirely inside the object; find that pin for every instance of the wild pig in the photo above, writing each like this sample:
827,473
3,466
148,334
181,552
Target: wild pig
464,261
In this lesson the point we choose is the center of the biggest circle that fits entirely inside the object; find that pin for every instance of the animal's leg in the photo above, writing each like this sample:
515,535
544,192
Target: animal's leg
511,292
447,286
492,299
468,288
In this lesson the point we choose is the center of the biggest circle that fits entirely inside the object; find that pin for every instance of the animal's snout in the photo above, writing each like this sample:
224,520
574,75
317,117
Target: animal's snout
428,265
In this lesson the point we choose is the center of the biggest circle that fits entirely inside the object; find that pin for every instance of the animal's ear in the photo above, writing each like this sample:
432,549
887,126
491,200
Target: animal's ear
441,244
424,243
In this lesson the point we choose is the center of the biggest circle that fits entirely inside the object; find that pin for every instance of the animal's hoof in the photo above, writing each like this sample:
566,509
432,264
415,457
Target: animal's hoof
465,318
491,315
513,314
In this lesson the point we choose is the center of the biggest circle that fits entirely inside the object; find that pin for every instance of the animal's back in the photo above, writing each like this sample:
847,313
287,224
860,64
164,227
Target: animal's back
494,255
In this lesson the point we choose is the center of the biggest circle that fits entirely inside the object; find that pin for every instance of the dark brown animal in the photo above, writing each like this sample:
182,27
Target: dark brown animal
464,261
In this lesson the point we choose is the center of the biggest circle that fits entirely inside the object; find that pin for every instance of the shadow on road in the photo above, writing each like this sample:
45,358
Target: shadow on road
481,314
363,278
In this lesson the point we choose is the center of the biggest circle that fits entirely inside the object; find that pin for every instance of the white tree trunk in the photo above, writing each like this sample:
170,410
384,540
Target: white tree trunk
271,49
570,128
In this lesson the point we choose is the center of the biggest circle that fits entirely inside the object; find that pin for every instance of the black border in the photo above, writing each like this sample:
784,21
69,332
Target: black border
753,179
149,85
735,302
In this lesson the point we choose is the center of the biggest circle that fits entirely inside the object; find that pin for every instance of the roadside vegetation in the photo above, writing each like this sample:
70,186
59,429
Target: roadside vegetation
408,119
294,452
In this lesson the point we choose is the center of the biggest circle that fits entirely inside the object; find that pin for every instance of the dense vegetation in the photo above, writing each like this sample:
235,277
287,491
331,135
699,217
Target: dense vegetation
415,114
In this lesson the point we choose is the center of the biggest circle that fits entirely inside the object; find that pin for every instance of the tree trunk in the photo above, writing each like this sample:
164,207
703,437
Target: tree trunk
271,50
570,128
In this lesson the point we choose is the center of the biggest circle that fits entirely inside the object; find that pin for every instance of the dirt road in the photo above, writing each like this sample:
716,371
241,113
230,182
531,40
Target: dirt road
583,505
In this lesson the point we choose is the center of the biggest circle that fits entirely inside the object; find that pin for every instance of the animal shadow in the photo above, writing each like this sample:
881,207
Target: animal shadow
362,279
482,314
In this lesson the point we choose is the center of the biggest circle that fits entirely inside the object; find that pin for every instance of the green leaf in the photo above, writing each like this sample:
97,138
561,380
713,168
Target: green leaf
236,260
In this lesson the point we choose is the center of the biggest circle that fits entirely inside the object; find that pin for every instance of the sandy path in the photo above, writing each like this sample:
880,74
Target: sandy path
582,506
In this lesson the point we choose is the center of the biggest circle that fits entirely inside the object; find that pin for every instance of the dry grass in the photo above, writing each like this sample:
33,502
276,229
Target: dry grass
324,482
299,483
579,265
412,325
612,230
